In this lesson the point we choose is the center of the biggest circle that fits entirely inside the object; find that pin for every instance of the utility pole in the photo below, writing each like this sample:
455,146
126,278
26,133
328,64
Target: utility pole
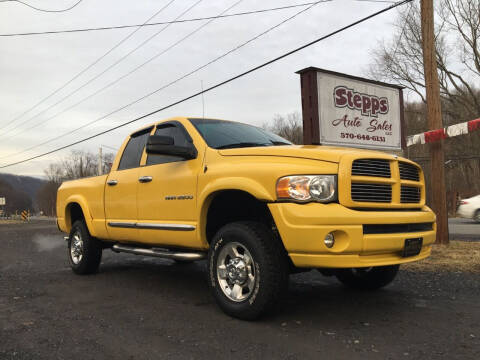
100,167
434,117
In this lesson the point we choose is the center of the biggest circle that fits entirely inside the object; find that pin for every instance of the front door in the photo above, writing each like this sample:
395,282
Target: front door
167,195
121,190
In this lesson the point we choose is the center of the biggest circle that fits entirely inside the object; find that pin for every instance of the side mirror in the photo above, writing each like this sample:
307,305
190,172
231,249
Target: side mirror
164,145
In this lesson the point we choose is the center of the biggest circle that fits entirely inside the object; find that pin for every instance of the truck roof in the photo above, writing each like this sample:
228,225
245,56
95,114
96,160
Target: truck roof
175,118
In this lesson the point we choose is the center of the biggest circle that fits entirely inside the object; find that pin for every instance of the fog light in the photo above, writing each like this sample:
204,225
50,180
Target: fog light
329,240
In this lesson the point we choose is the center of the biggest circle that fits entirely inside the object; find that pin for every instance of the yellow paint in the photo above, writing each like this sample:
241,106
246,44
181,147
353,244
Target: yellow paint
302,227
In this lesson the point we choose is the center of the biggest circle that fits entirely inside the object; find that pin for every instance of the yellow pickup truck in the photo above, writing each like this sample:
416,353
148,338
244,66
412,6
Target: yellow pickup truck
255,206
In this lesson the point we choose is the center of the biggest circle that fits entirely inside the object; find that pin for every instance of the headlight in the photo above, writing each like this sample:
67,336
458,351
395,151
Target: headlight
303,188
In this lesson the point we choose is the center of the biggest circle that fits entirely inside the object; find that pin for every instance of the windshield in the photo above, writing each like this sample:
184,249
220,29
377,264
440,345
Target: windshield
220,134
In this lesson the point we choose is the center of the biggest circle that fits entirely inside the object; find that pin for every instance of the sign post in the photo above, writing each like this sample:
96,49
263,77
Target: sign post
345,110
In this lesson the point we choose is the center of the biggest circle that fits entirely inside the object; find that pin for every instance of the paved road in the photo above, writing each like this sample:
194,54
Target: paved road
143,308
464,229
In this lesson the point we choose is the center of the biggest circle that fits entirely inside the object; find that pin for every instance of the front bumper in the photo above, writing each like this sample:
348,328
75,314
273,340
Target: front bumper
303,227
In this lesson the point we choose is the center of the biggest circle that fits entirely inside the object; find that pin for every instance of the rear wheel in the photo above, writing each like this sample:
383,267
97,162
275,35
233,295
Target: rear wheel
248,269
84,251
370,278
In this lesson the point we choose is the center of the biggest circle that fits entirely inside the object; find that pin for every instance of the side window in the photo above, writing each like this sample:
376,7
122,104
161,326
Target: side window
179,139
133,151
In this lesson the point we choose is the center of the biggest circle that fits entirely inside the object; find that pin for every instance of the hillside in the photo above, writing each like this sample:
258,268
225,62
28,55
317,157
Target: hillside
28,184
20,187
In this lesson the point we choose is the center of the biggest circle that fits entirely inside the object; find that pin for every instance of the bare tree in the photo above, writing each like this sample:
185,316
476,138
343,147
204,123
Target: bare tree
108,159
16,200
457,33
77,165
457,36
47,198
289,127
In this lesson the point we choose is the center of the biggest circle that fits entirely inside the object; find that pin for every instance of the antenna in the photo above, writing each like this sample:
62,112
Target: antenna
203,100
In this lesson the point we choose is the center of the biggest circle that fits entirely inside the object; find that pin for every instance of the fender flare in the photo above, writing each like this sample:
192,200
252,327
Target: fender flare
82,202
247,185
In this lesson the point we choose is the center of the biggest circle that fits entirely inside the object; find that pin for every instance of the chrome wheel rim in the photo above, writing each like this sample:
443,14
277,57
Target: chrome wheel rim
236,271
76,248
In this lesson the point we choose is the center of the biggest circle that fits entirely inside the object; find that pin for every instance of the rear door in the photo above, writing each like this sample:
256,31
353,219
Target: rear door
121,190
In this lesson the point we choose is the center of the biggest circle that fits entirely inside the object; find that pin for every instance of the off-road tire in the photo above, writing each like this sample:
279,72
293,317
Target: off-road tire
92,250
369,278
270,267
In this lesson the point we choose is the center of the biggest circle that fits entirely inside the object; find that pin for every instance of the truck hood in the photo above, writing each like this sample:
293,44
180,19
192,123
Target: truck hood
314,152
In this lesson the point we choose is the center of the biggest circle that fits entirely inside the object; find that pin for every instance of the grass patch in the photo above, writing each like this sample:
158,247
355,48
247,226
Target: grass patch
457,256
5,222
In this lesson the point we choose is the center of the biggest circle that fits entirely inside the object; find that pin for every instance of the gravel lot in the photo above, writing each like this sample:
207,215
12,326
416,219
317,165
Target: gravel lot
144,308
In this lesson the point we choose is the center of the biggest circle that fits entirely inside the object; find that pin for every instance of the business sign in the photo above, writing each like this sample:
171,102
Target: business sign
351,111
2,201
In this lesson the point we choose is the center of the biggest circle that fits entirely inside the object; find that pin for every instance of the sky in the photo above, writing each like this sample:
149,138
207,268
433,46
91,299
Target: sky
33,67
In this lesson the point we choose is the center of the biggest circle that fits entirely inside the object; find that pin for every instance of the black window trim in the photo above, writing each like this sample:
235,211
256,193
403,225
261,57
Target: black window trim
135,134
179,125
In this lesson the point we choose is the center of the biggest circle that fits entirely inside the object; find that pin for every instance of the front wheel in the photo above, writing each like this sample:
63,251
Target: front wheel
84,251
371,278
248,269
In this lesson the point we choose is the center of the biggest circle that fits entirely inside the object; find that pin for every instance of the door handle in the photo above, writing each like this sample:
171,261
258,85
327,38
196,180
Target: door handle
145,179
112,182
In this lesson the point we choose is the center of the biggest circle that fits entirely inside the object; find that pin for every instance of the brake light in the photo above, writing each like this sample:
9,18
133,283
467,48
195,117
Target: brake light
463,202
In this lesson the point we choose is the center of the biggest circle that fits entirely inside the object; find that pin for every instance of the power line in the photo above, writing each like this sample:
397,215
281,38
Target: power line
87,68
158,23
402,31
384,77
44,10
258,67
99,74
104,71
160,88
114,64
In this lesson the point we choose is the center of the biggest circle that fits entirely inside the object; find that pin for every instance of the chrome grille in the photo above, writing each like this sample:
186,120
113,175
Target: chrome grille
408,171
409,194
371,193
371,167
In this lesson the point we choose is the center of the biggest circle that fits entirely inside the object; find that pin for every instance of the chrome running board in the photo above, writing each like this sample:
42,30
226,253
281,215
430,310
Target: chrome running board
162,253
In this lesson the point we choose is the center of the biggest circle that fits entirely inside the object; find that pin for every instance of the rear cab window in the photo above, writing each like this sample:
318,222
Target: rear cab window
133,151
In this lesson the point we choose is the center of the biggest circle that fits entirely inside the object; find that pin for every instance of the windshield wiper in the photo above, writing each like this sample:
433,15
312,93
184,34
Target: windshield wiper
279,142
242,144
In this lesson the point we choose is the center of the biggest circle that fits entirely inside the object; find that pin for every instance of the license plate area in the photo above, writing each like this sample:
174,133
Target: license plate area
412,247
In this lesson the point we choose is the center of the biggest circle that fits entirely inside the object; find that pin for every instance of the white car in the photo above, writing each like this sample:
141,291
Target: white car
470,208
